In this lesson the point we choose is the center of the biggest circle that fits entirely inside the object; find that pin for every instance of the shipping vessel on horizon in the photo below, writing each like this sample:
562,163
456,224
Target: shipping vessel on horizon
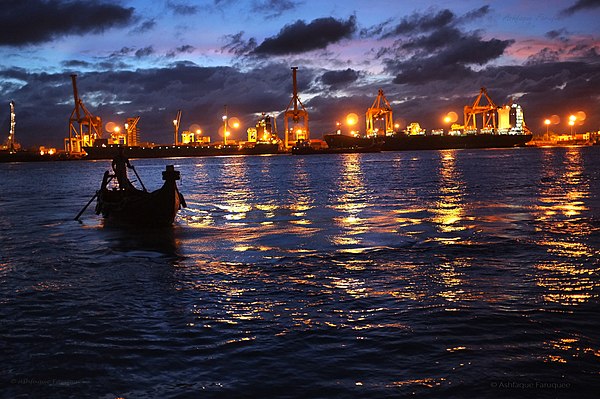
502,127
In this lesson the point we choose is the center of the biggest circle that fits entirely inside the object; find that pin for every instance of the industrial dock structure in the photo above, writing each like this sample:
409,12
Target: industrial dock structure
485,125
501,127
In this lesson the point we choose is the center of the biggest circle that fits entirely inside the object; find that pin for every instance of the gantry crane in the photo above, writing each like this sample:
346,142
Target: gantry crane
292,136
176,123
84,128
489,112
132,137
381,109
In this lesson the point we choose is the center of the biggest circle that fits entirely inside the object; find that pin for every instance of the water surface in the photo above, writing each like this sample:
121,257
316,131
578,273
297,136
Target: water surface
435,273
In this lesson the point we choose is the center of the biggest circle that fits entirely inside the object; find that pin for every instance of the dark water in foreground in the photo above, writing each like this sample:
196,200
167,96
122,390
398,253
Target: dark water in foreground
427,274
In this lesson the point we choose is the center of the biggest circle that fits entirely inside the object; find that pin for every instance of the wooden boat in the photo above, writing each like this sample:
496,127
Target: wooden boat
131,206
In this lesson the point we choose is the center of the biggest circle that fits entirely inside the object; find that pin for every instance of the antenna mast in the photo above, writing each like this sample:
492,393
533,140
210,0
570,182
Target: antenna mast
11,137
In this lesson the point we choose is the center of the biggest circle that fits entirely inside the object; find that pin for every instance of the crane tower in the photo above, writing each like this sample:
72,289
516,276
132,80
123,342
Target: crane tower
292,135
380,110
132,132
489,112
84,128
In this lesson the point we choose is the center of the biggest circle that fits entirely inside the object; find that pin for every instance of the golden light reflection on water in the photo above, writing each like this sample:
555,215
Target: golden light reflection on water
237,197
572,278
302,200
449,209
352,200
563,350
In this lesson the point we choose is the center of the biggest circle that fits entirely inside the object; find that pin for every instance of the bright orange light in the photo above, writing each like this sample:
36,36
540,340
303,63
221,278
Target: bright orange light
571,122
175,122
198,131
451,117
234,122
351,119
547,122
572,118
110,127
117,129
580,115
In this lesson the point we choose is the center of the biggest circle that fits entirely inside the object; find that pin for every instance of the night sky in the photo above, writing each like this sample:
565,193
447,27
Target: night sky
150,58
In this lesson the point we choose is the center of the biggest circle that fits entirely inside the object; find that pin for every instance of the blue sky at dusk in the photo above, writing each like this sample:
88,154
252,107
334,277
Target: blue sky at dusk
151,58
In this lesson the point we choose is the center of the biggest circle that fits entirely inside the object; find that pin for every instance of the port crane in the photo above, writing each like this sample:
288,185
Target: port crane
381,109
488,111
131,131
295,113
176,123
84,128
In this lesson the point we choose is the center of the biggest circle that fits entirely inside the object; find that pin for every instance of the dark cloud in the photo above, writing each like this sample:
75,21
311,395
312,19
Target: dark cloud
25,22
122,52
76,64
543,56
476,14
581,5
558,34
301,37
144,52
237,45
186,48
182,8
144,27
273,8
339,78
418,23
433,47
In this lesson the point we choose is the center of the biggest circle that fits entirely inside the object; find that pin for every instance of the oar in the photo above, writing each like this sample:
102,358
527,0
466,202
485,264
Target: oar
92,199
138,176
86,205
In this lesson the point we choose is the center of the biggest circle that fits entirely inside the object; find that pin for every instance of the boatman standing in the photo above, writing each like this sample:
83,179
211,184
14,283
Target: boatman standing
120,163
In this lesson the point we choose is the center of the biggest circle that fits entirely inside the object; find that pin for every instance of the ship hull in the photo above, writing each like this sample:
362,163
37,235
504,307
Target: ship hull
402,142
110,151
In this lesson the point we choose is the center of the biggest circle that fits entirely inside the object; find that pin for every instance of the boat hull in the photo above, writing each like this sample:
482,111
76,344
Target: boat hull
110,151
402,142
141,208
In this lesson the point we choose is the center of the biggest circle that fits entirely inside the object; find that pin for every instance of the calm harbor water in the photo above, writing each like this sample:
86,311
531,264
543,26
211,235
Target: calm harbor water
432,274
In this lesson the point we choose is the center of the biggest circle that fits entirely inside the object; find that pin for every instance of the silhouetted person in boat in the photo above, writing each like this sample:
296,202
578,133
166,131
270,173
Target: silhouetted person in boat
120,163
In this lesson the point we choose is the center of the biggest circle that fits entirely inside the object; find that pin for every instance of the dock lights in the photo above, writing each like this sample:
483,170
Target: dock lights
351,119
225,126
572,120
547,122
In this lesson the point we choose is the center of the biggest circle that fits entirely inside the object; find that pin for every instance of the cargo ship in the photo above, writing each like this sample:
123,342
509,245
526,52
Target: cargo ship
109,151
406,142
502,127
